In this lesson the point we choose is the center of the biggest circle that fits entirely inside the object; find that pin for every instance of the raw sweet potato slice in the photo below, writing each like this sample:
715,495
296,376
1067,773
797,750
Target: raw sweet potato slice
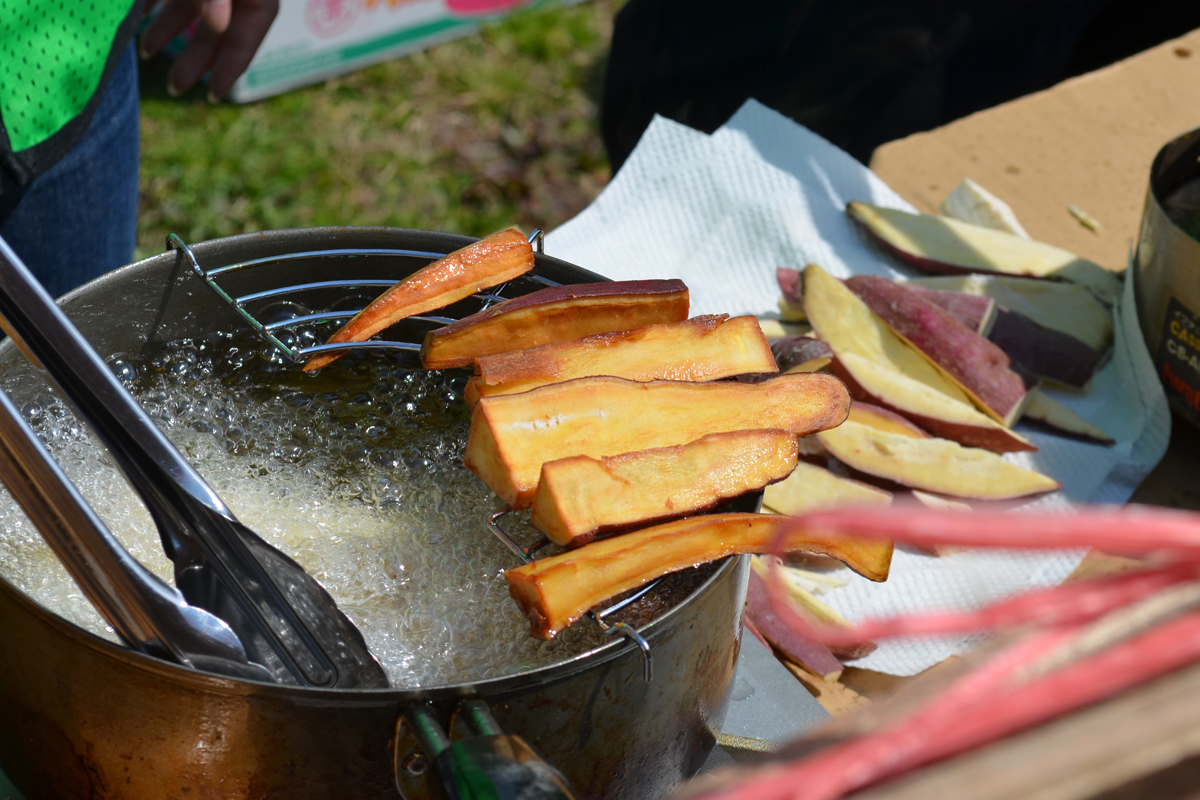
935,465
940,245
699,349
512,436
579,497
1049,412
976,312
1065,307
810,487
777,329
929,409
801,351
554,592
887,421
807,652
881,368
488,262
977,366
557,314
791,284
1046,353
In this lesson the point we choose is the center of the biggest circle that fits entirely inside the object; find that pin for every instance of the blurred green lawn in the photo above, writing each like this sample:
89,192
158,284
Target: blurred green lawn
495,129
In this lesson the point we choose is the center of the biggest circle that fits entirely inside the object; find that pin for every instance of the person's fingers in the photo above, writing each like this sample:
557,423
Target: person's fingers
251,21
216,14
173,17
195,60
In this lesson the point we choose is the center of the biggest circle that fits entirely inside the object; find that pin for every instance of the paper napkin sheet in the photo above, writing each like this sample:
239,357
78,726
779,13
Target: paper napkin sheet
722,211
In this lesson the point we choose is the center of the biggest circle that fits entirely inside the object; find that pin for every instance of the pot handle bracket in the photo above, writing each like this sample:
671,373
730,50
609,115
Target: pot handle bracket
489,765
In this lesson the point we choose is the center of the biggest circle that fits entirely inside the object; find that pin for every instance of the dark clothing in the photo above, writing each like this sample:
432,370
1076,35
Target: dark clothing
858,72
78,219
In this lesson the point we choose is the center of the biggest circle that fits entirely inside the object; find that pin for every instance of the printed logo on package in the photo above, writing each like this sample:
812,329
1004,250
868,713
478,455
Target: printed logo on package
1179,359
329,19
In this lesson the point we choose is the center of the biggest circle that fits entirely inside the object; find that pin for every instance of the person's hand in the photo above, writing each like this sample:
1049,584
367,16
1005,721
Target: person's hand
227,36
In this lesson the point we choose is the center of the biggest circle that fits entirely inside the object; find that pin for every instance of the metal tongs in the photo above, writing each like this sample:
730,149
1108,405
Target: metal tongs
287,626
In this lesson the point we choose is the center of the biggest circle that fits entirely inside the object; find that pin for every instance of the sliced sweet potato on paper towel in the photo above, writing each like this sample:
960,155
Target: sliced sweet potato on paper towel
881,368
934,465
976,365
941,245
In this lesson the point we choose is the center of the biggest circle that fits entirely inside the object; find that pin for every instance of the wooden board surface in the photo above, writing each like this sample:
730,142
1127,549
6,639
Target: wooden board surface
1086,142
1131,742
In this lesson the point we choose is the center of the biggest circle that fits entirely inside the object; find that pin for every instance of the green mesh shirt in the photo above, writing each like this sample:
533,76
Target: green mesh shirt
55,58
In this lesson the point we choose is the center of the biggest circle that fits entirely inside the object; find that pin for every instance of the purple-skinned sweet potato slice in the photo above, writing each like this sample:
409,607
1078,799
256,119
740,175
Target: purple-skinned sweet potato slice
809,653
978,366
1045,410
1045,353
488,262
557,314
813,486
975,311
554,592
794,351
934,465
882,419
791,284
946,246
880,367
1065,307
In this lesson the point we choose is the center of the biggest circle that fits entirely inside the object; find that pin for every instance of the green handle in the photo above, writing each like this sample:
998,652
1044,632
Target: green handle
500,767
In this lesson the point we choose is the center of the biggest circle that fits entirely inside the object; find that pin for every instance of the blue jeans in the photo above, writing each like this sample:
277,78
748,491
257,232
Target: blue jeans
78,219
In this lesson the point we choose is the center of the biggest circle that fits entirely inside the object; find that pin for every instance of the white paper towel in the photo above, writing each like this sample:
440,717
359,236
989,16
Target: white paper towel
722,211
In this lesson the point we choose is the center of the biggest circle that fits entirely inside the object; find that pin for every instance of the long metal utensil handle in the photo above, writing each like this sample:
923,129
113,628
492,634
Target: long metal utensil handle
300,637
146,613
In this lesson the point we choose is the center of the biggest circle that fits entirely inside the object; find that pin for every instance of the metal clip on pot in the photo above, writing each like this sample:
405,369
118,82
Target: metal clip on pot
286,621
490,765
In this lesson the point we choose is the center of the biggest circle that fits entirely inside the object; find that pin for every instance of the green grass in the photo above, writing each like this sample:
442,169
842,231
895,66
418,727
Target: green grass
496,129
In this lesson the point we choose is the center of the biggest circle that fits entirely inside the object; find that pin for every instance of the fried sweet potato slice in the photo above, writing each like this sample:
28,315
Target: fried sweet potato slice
512,436
578,497
557,314
554,592
488,262
705,348
880,367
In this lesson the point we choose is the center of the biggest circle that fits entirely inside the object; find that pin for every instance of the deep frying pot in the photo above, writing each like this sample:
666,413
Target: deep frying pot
83,717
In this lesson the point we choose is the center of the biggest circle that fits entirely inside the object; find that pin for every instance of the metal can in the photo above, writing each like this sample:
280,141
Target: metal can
1167,279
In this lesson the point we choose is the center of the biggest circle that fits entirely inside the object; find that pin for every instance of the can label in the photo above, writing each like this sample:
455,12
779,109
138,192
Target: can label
1179,358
